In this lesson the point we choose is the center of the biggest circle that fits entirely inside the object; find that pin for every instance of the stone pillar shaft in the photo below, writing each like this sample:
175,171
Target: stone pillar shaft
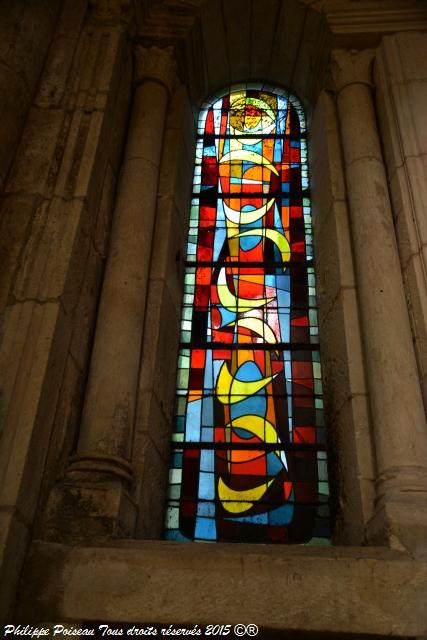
395,396
106,434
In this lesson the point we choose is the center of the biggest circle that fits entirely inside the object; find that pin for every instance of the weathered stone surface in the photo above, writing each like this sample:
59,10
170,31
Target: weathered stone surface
64,153
151,487
161,582
412,49
155,64
215,45
263,22
168,252
102,463
414,277
35,165
326,161
14,102
16,216
400,99
312,59
151,422
102,223
238,20
54,79
290,23
340,339
393,400
406,230
51,265
63,435
352,475
120,113
25,33
32,358
335,268
14,539
350,451
26,30
160,344
109,510
85,310
176,171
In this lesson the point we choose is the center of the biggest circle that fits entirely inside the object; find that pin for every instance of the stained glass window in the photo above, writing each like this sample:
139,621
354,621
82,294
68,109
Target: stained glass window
248,455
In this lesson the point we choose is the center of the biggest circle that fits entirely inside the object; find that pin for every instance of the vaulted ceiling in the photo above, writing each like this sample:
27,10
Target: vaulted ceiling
284,42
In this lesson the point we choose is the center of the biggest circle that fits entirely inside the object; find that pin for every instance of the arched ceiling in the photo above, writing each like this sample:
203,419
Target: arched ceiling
222,42
284,42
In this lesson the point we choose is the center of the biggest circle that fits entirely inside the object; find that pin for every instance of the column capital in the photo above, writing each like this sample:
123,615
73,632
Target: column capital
351,66
155,63
116,12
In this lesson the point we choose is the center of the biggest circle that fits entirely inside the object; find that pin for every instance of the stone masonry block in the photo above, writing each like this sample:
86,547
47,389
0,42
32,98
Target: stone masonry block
414,278
215,46
343,370
412,49
169,249
151,420
84,318
29,410
408,240
51,265
37,152
151,581
14,539
14,102
352,439
16,215
153,473
333,256
160,345
326,164
31,25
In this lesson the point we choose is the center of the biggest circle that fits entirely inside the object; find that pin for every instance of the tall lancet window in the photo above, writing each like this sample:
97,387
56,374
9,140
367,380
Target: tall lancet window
248,459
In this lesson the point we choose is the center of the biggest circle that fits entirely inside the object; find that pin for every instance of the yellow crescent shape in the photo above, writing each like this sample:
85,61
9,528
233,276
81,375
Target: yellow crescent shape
231,302
240,501
258,426
258,326
250,156
278,238
230,390
246,217
261,428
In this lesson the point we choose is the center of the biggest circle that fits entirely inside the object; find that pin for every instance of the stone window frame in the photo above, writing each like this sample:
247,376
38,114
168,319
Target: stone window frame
346,396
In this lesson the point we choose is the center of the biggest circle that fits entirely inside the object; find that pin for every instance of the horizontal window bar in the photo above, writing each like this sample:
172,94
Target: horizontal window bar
254,136
241,446
249,263
235,195
245,346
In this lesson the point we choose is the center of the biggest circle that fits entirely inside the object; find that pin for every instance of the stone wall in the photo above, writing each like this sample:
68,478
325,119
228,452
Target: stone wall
26,31
94,218
401,77
55,220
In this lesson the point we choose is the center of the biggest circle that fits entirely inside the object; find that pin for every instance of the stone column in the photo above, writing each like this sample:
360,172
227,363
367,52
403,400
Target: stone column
398,417
106,435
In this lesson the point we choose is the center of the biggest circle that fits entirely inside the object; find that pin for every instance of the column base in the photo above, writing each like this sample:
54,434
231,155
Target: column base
89,506
400,524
